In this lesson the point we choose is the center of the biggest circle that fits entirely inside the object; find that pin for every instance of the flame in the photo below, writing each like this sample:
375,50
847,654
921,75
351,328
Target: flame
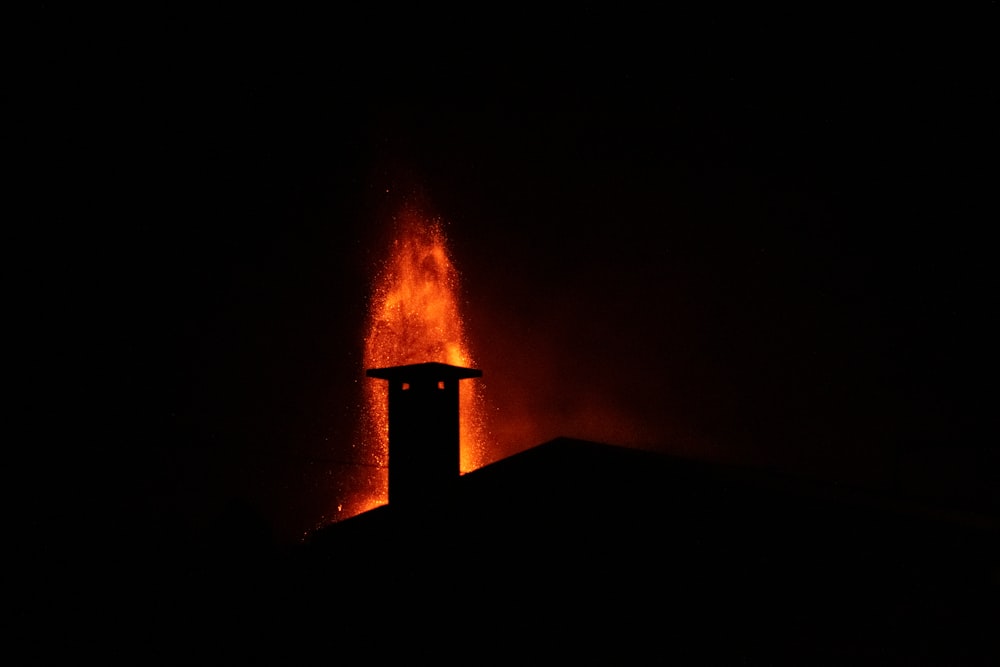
414,317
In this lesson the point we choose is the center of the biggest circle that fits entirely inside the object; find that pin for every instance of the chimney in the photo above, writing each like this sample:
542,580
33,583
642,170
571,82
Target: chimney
423,429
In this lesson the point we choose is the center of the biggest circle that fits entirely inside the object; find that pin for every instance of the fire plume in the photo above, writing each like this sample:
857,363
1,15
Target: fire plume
415,317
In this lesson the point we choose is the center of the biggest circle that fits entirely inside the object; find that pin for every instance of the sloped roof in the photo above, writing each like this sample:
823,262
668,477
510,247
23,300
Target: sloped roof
580,551
585,530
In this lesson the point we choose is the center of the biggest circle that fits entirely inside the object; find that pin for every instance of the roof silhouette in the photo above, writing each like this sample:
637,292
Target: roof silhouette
614,541
576,551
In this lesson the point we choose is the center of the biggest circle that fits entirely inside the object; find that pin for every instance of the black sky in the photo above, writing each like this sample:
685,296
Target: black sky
750,238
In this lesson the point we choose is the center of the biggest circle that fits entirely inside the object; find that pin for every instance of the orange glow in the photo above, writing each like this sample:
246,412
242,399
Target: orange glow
414,317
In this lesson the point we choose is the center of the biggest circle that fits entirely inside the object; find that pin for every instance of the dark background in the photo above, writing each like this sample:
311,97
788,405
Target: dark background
760,239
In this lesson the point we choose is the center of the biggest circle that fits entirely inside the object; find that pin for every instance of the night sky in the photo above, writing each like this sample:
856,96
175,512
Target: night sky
755,241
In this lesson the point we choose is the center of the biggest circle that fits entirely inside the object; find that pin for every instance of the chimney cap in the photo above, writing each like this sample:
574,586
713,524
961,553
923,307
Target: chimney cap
429,371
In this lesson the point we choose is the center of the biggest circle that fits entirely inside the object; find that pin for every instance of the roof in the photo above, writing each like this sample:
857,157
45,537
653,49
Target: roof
614,541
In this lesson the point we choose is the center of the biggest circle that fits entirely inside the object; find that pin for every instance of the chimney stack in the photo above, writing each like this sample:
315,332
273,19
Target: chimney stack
423,429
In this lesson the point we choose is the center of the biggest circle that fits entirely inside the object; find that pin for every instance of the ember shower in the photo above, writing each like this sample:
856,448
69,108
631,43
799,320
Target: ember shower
415,317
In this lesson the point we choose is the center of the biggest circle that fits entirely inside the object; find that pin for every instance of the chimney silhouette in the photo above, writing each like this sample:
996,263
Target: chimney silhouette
423,429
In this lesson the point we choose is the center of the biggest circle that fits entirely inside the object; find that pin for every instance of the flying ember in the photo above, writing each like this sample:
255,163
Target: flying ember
415,317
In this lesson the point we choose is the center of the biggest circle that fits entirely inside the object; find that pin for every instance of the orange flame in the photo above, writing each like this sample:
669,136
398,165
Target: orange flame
414,317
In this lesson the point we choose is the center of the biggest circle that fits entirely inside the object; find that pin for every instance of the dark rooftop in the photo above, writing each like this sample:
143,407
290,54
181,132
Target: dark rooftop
617,543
